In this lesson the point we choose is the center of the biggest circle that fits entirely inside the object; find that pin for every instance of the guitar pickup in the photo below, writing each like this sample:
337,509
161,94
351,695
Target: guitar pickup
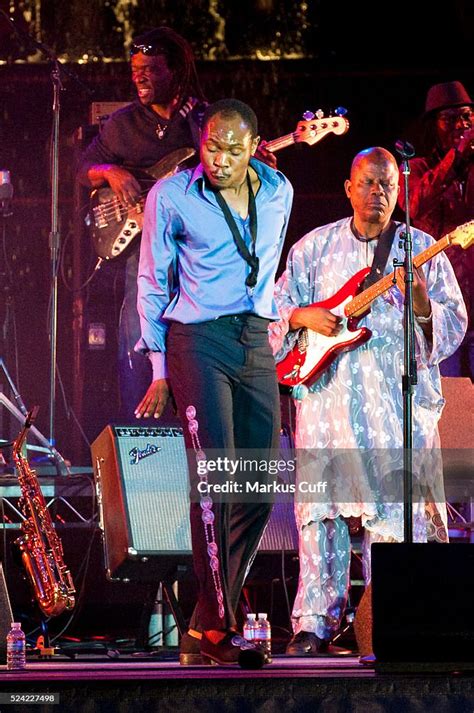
100,219
118,210
303,340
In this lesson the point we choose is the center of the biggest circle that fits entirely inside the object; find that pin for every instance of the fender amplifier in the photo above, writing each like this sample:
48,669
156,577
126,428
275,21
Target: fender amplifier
142,488
141,478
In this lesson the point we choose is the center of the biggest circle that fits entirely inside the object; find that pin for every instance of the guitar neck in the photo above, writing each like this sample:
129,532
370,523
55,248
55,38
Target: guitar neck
359,304
280,143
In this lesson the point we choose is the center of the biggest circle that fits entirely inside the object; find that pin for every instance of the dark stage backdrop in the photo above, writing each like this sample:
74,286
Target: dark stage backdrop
281,57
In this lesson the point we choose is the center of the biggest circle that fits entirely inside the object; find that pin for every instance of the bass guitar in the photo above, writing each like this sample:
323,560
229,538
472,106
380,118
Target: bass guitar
314,352
114,226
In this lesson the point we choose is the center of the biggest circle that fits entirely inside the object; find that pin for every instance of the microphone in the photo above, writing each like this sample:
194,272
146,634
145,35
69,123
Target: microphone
404,148
6,194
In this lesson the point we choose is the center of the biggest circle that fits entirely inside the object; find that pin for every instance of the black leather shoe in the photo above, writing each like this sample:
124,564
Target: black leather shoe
305,643
190,651
232,649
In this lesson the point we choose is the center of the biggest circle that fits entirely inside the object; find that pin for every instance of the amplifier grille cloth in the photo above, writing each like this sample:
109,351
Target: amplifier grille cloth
156,491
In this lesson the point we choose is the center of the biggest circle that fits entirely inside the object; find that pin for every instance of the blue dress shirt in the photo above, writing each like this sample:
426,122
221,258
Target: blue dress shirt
190,270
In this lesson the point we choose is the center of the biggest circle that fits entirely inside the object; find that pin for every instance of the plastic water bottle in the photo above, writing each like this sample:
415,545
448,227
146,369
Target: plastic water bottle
16,648
263,636
250,627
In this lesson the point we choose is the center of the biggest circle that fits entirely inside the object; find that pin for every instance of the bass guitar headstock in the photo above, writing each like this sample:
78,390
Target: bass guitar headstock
315,127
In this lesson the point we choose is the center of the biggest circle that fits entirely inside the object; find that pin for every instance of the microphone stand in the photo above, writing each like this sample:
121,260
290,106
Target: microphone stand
409,379
54,244
54,235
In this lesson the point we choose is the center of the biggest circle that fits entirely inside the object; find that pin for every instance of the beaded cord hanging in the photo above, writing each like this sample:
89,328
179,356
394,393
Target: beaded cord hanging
207,514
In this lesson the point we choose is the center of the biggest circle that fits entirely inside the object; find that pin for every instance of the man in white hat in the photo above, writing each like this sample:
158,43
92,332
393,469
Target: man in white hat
442,194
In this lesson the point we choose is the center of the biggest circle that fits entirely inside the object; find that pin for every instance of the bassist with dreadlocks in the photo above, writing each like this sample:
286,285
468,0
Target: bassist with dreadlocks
152,135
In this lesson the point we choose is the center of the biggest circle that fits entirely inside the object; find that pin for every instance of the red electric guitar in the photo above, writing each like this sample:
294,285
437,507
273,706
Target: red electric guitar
114,226
314,352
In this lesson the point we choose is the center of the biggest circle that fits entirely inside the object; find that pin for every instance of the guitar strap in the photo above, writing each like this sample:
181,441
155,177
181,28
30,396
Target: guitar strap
382,251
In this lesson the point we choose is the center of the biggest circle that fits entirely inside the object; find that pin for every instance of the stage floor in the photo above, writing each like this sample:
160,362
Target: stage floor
149,667
137,684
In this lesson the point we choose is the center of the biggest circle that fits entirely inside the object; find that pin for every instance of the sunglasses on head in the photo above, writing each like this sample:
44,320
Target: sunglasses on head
151,50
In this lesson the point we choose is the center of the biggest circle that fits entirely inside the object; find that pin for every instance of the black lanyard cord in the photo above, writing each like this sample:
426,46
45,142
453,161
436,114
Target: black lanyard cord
250,257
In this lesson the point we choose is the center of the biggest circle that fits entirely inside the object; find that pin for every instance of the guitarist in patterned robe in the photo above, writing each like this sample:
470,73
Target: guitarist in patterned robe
350,422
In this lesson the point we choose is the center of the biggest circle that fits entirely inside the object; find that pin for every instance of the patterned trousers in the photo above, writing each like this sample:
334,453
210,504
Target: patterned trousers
323,585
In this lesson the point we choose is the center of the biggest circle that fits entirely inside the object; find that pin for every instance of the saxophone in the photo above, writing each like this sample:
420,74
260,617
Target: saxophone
40,547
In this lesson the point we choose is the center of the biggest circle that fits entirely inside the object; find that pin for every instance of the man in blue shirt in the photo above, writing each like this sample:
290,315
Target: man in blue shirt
212,239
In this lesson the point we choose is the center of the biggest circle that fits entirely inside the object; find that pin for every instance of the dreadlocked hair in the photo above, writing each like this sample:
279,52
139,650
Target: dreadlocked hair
179,58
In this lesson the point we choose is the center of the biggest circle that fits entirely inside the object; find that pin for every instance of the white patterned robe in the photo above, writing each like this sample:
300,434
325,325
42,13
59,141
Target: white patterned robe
351,420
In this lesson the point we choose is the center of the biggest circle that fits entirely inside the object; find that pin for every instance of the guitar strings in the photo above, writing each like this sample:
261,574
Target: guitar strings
108,209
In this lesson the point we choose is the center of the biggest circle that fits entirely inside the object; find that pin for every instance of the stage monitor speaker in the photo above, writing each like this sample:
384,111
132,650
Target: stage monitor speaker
422,595
141,480
6,616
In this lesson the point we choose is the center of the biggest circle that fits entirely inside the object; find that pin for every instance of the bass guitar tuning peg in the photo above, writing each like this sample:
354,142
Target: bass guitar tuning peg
308,115
320,114
341,111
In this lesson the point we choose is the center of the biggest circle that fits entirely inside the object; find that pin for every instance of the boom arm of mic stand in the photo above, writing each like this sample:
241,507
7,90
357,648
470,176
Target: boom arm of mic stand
14,390
61,465
45,50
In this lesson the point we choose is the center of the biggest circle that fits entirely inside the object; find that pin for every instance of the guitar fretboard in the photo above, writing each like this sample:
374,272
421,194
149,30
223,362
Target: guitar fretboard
281,143
359,303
